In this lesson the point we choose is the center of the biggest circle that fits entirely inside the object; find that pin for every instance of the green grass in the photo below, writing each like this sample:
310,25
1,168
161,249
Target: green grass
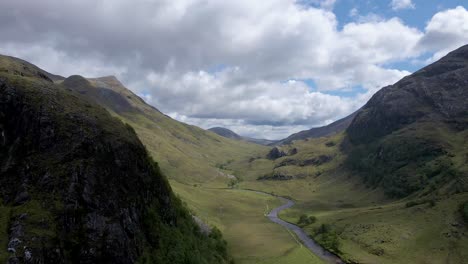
412,158
464,211
4,222
240,215
187,153
370,228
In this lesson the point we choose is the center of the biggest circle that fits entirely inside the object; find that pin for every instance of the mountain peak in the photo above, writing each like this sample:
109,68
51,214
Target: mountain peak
224,132
437,92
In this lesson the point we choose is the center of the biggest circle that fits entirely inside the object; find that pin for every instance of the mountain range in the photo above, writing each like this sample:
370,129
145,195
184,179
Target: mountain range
90,173
78,186
224,132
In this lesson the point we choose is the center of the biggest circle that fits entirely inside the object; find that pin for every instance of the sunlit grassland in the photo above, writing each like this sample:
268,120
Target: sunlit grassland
240,215
188,153
371,227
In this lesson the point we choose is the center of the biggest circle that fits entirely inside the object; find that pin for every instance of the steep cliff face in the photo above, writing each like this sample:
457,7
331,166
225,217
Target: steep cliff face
77,186
413,134
437,92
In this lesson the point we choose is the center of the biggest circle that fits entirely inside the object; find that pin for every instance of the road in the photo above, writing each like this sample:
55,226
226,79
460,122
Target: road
301,234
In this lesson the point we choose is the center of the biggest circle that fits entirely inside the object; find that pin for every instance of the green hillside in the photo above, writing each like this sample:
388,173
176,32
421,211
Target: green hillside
392,188
185,153
77,185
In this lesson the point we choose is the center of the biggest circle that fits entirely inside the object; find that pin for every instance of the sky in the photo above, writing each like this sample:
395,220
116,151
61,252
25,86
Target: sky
263,69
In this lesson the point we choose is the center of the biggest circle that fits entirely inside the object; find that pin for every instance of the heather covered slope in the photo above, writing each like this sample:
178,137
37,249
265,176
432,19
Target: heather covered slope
413,135
185,153
77,185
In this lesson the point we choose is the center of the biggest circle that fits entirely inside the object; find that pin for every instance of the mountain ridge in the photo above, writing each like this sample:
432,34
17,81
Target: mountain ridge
323,131
227,133
414,133
78,186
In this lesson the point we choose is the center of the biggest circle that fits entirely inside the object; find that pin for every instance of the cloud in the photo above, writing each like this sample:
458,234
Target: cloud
243,64
445,31
353,12
402,4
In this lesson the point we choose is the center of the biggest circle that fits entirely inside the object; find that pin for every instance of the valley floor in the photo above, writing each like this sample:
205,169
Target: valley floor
241,216
370,228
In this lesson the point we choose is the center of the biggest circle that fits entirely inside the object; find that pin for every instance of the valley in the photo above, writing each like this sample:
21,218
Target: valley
389,184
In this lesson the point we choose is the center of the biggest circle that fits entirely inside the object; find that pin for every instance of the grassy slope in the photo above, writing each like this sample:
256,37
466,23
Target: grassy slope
360,215
185,153
43,208
194,160
371,228
239,214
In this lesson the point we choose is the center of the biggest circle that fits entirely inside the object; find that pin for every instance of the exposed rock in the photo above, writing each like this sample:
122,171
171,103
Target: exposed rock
21,198
276,176
401,139
436,92
287,162
83,186
316,161
275,153
204,228
292,152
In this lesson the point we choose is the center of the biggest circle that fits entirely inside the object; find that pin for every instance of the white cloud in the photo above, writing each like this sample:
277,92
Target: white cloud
447,30
226,61
402,4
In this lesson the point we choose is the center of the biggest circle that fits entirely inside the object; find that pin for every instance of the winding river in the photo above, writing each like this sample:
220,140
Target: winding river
315,248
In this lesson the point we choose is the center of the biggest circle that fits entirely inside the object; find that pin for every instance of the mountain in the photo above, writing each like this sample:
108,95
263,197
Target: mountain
412,135
324,131
185,153
78,186
224,132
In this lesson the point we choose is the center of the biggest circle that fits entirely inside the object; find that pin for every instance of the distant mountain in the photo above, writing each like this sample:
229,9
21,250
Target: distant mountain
316,132
78,186
260,141
413,135
224,132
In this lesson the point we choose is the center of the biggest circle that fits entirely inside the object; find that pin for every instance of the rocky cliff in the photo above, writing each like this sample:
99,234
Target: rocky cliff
413,135
77,185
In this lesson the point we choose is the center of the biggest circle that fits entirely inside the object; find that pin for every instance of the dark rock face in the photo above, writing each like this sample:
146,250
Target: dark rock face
317,160
100,95
77,185
275,153
91,183
401,139
292,152
436,92
276,176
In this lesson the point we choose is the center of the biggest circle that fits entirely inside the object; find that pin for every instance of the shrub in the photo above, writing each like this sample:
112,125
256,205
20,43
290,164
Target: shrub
328,238
430,202
464,211
306,220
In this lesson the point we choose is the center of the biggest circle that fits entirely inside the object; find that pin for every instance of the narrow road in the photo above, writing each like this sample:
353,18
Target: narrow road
301,234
